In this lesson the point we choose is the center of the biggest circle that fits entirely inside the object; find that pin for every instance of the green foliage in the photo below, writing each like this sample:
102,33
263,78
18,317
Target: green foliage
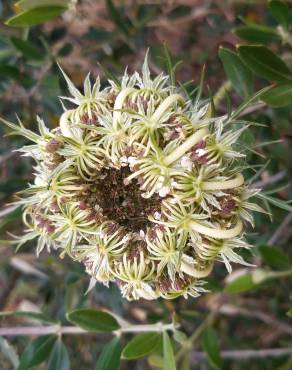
265,63
257,33
116,34
93,320
27,49
59,357
36,352
280,96
211,347
274,257
109,359
240,284
168,355
31,315
35,16
281,12
141,345
239,75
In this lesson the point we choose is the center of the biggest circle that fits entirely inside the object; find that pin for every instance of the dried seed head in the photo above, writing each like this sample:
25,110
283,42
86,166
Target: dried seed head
140,186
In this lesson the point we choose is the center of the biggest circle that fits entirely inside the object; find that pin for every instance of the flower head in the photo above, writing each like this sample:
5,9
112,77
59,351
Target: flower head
139,185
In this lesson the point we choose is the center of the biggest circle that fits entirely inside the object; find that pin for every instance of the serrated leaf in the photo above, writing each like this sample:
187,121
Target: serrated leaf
279,96
36,352
27,49
280,11
211,347
264,63
257,33
240,284
93,320
168,355
141,345
109,359
59,358
238,74
35,16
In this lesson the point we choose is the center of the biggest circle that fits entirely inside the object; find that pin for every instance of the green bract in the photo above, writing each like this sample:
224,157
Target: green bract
139,185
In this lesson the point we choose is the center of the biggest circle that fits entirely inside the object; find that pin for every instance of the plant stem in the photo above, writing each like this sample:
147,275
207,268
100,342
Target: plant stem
245,354
221,93
187,346
74,330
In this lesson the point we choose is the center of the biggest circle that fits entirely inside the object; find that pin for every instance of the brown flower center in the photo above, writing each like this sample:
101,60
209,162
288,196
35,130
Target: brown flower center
124,203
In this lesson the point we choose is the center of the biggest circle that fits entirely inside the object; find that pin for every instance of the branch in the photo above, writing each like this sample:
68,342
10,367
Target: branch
244,354
74,330
281,230
230,310
270,180
189,343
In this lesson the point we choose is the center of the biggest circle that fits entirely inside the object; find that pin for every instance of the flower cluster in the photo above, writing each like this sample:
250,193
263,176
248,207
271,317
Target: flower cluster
140,185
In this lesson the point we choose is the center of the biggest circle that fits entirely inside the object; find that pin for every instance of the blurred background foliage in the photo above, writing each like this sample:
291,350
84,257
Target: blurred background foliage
247,315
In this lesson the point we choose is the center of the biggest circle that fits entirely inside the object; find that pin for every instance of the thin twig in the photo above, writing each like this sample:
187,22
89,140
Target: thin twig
270,180
280,230
253,108
7,210
244,354
74,330
189,343
231,310
40,330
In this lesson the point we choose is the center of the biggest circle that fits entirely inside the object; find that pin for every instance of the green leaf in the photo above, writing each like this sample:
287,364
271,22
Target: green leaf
279,96
109,359
276,202
9,352
30,4
27,49
289,313
168,355
274,257
35,16
59,358
8,71
211,347
93,320
257,33
29,314
115,14
247,103
238,74
155,361
179,336
264,63
36,352
280,11
141,345
241,284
